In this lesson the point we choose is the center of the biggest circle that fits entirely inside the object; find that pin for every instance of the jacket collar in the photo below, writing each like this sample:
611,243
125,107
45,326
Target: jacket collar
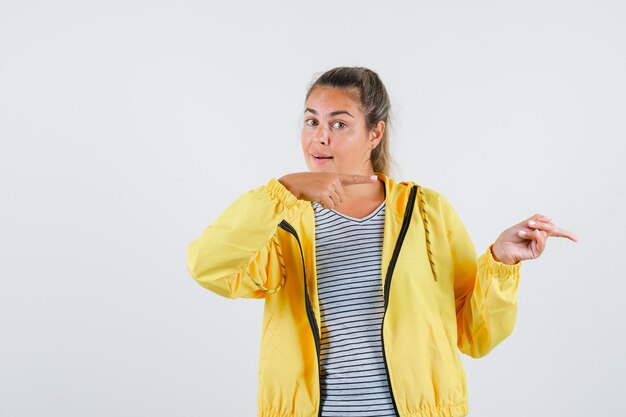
396,193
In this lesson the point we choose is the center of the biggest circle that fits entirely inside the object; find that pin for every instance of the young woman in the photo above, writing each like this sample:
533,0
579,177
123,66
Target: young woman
370,285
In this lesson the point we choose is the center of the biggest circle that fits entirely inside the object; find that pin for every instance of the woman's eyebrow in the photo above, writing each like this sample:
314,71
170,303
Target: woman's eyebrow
331,113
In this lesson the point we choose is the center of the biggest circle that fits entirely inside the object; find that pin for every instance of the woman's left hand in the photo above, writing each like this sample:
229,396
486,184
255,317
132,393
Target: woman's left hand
527,240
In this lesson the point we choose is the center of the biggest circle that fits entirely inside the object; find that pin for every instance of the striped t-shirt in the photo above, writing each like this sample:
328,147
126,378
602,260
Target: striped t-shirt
348,263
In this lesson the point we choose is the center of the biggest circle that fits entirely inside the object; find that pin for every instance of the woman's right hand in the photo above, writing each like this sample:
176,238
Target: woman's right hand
323,187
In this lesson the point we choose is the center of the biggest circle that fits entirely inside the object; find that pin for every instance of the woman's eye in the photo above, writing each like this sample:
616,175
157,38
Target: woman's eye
312,122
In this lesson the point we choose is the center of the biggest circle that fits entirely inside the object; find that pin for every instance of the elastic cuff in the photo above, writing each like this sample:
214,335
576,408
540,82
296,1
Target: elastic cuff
498,268
282,193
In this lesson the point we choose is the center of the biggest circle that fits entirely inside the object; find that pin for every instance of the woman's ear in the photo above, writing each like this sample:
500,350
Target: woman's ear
376,133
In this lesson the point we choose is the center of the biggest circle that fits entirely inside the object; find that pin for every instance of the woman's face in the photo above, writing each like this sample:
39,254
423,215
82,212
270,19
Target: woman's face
334,127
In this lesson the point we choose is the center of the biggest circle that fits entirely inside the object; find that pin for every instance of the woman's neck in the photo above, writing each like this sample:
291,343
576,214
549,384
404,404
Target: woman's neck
358,193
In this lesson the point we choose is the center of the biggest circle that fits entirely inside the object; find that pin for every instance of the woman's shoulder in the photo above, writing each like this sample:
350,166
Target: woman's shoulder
429,194
431,199
433,204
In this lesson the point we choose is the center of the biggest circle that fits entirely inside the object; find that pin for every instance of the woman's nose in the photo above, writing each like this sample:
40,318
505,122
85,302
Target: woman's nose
322,135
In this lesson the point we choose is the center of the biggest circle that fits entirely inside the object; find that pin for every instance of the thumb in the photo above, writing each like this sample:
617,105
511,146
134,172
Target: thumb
347,179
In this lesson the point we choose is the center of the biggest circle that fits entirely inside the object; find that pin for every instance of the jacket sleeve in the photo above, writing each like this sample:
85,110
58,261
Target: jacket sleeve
238,255
485,293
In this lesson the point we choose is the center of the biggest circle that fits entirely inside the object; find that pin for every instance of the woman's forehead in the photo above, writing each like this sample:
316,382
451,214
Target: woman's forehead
327,100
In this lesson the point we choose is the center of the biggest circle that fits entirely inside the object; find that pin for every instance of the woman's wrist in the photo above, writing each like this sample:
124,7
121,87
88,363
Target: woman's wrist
498,256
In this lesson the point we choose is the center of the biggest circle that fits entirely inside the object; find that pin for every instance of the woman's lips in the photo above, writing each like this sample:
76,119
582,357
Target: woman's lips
321,161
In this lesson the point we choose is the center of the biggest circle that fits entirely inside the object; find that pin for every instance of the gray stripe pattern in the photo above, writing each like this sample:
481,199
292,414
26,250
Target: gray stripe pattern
348,262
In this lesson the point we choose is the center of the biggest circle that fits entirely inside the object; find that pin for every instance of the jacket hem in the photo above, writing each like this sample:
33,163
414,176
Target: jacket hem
270,413
452,410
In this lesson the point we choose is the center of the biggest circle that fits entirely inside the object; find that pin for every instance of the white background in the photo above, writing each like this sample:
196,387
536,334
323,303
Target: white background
127,127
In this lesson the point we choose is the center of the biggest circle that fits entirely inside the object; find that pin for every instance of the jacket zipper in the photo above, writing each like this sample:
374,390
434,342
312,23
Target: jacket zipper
392,264
309,309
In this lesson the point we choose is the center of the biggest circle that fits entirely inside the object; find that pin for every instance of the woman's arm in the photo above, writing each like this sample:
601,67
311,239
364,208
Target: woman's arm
238,254
486,297
485,292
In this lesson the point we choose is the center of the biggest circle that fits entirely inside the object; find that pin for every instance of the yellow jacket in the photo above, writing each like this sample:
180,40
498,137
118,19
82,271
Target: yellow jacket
442,296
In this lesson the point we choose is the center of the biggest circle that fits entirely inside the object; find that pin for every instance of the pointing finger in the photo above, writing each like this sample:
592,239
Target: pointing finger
558,232
552,230
347,179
